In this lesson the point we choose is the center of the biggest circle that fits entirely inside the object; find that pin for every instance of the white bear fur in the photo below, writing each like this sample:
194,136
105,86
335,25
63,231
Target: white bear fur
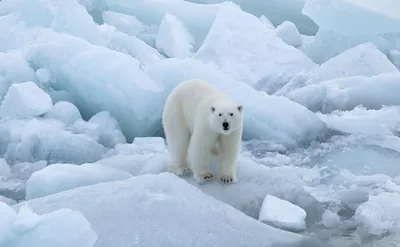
193,119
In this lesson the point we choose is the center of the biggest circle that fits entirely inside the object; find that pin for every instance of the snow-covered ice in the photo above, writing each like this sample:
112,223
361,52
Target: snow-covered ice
380,214
197,18
24,100
120,86
13,69
394,56
124,23
130,45
361,120
173,38
344,24
350,17
346,93
5,170
49,14
277,11
182,214
59,177
243,47
266,22
24,170
321,122
288,32
282,214
30,229
255,182
7,201
327,44
330,219
43,139
362,60
64,111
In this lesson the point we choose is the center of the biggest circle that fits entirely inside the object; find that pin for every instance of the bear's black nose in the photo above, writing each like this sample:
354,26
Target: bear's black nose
225,125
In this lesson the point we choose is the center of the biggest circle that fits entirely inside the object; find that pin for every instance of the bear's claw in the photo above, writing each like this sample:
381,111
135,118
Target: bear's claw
227,179
180,171
205,177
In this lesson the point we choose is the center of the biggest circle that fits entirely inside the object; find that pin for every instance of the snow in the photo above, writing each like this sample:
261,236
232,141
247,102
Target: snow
64,111
24,100
379,215
288,32
132,46
173,39
282,214
29,229
82,88
343,25
13,69
362,60
348,92
330,219
124,23
73,60
50,14
394,56
349,17
5,170
7,201
60,177
182,214
197,18
241,46
44,77
40,139
277,11
361,120
327,44
267,23
24,170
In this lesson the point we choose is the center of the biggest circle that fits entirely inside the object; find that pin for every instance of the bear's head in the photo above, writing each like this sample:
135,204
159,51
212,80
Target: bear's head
225,117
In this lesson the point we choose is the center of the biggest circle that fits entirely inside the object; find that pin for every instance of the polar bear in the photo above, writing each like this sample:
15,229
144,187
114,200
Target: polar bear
199,120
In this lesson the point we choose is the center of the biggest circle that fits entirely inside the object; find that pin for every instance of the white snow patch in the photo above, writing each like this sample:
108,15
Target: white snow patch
173,38
362,60
64,111
47,230
288,32
59,177
124,23
240,45
24,100
168,202
282,214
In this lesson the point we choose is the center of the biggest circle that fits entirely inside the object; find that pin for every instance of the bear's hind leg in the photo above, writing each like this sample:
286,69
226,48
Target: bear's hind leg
199,156
177,148
178,138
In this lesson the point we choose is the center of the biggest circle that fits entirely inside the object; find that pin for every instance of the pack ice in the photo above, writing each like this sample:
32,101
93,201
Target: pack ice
82,154
26,228
124,214
344,24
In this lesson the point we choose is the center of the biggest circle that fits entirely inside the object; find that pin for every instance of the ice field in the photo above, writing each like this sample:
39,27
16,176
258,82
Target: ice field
82,152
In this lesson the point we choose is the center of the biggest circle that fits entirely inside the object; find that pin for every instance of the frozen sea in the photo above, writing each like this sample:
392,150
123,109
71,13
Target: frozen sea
82,151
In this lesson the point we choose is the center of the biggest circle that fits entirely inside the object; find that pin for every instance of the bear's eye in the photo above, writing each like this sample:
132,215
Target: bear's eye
231,114
220,114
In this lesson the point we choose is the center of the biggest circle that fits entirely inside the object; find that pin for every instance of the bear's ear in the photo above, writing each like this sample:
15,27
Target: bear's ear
240,108
212,109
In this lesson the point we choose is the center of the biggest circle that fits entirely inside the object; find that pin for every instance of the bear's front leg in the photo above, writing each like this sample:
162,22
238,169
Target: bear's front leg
229,147
199,156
